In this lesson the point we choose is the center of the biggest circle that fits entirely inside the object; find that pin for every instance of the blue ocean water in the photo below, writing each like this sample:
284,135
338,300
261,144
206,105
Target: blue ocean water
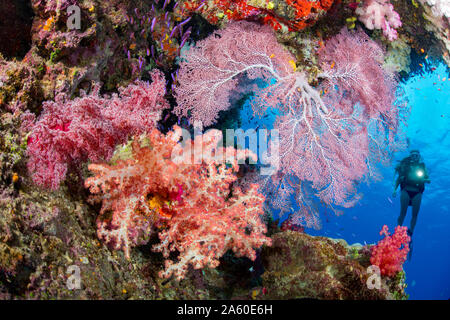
428,129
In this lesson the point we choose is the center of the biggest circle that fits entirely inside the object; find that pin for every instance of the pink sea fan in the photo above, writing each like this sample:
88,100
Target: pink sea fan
353,63
327,132
355,79
210,70
70,132
327,150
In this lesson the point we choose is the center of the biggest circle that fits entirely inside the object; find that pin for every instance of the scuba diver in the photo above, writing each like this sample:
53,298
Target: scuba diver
412,176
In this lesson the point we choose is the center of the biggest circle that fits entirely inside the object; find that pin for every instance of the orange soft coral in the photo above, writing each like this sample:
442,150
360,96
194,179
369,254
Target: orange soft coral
164,185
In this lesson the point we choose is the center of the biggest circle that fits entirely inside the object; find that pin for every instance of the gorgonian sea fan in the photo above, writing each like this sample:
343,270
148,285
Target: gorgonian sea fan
353,63
70,132
211,70
327,132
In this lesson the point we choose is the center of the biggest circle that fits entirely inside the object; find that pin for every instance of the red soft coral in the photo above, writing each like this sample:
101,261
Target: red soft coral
70,132
202,216
294,15
390,253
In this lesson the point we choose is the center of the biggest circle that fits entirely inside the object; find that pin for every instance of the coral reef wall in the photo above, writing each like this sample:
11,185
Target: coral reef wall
51,76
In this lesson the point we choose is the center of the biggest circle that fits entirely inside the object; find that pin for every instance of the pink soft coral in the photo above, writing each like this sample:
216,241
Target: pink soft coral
160,186
390,253
380,14
69,132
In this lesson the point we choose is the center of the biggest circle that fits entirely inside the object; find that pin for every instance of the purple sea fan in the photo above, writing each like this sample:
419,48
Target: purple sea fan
325,131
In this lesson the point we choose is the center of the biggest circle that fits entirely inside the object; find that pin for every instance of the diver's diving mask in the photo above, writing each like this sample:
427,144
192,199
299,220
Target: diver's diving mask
415,156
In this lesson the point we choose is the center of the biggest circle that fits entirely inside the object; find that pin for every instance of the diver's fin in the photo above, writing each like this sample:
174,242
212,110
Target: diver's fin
410,250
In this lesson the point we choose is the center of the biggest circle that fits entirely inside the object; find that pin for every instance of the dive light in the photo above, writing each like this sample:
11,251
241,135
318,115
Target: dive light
420,173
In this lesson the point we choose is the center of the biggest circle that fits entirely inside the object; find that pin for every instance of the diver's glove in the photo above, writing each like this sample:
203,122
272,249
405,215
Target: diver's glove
394,193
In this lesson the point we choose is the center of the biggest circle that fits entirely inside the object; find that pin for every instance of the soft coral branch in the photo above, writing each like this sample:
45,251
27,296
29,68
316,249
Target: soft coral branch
380,14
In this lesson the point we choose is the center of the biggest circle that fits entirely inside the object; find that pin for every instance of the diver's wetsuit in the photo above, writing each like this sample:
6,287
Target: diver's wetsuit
413,199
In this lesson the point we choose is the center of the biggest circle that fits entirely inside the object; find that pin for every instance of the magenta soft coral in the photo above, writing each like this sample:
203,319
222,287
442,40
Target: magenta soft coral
70,132
390,253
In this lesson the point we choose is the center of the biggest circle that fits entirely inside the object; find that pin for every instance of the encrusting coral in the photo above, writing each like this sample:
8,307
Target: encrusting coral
298,266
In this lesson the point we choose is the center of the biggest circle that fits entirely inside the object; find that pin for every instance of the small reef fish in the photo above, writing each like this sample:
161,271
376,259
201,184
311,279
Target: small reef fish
200,6
292,63
185,21
353,5
153,24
